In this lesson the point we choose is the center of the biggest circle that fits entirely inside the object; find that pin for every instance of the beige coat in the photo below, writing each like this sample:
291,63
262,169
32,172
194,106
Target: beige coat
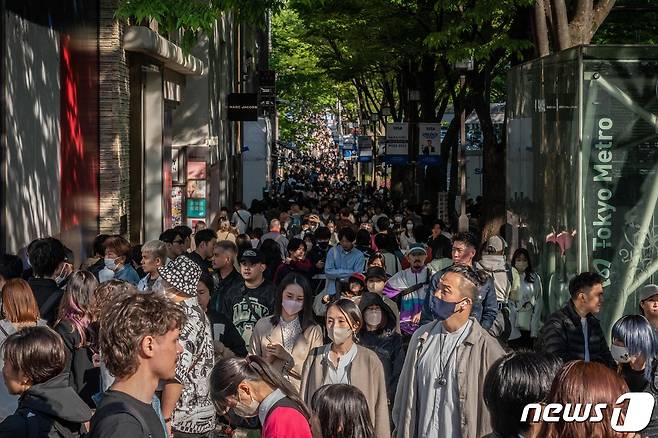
312,337
366,372
475,356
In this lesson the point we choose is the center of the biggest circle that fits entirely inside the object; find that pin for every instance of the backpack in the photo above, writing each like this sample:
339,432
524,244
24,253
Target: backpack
502,327
124,408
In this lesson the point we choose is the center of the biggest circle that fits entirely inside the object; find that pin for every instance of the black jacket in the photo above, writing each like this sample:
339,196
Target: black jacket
228,334
386,342
562,334
43,289
84,377
50,409
223,285
637,382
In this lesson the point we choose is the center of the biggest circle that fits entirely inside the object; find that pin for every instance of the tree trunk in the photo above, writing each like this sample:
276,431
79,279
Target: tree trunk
561,23
541,29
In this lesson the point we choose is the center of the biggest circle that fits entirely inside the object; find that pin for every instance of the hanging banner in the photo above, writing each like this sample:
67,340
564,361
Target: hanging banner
397,143
429,151
365,149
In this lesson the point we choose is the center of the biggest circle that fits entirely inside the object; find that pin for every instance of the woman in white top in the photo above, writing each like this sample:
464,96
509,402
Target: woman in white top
284,339
407,236
343,361
20,310
529,300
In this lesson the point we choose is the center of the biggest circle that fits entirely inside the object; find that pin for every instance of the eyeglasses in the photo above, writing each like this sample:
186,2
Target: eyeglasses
178,241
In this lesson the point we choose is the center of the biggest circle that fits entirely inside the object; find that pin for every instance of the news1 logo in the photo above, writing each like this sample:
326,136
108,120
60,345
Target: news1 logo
638,414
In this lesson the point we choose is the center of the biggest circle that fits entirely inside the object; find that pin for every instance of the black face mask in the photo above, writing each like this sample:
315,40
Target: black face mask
323,245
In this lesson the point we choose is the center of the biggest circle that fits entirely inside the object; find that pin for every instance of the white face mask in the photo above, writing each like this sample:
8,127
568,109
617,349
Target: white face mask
339,335
620,354
410,227
292,307
373,317
246,411
110,264
61,277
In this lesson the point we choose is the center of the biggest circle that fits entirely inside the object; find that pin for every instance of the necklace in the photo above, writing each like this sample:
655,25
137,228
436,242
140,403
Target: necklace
442,380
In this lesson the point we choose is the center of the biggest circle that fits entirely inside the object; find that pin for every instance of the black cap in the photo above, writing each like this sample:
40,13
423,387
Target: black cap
251,256
376,272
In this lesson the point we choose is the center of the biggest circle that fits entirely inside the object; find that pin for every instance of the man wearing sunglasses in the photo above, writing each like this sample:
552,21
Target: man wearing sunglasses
175,243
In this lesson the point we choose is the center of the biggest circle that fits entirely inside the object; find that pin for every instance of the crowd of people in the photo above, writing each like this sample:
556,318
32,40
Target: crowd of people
326,309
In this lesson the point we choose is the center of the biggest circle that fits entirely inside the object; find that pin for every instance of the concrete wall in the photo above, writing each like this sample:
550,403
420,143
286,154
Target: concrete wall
32,121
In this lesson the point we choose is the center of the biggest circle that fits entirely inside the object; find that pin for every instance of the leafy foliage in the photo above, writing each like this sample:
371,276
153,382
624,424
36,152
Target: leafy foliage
194,17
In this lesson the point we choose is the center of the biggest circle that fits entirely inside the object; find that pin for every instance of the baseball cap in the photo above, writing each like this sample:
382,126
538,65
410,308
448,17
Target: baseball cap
647,292
495,243
359,277
251,256
376,272
416,248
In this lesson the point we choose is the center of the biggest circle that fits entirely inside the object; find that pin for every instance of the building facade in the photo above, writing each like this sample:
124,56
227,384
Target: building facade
112,128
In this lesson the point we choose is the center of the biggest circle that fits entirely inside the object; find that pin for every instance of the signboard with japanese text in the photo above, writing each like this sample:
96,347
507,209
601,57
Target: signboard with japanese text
429,150
365,149
397,143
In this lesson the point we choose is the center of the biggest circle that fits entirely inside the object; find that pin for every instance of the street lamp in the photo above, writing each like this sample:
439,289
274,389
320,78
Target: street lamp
463,67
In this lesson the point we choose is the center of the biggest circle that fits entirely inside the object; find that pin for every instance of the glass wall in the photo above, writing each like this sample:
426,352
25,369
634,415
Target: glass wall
582,184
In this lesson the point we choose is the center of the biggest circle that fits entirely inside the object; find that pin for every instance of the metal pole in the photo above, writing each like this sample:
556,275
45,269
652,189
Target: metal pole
463,218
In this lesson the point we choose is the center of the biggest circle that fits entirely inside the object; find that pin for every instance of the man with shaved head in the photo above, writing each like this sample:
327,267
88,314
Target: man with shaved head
275,234
439,389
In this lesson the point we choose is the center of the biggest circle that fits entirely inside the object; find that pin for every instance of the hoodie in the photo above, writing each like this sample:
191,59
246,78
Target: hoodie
506,280
43,403
386,342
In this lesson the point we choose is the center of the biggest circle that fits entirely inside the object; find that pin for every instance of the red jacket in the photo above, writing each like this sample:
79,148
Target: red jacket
285,422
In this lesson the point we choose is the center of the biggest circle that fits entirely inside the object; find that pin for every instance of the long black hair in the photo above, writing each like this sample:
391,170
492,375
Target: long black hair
228,373
306,318
343,412
529,271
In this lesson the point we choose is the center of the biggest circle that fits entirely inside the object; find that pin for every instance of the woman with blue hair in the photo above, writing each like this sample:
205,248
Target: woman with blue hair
635,349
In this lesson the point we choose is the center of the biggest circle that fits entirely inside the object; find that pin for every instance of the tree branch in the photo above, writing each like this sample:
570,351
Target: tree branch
601,11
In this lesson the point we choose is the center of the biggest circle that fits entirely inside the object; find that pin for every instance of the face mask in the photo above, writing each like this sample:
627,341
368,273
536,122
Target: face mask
246,411
410,227
323,245
292,307
110,263
442,310
620,354
521,266
61,278
373,318
339,335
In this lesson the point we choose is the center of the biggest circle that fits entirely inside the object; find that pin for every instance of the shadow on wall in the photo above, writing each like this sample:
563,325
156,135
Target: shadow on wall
32,116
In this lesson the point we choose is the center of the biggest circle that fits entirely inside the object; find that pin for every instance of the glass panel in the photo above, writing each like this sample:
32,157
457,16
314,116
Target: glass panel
620,154
582,170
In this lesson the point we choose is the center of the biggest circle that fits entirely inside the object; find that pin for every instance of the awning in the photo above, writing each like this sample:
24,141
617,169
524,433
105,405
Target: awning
141,39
